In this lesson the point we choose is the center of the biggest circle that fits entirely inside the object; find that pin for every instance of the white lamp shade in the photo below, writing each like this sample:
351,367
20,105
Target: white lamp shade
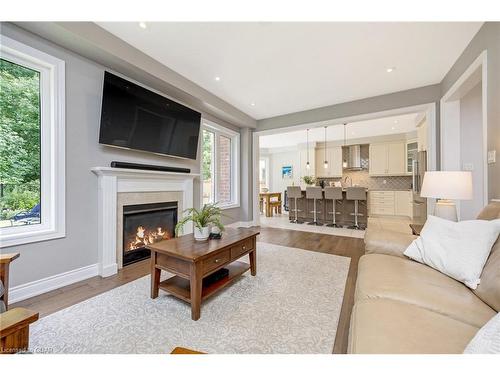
447,185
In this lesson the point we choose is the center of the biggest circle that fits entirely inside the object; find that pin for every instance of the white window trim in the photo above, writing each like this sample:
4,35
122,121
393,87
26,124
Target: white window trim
52,163
267,162
235,161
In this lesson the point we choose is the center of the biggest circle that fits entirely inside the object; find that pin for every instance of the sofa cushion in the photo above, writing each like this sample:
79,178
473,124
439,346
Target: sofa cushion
387,242
384,276
489,288
490,212
385,326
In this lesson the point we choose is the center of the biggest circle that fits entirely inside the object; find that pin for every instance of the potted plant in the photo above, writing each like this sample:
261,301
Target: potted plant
202,219
309,180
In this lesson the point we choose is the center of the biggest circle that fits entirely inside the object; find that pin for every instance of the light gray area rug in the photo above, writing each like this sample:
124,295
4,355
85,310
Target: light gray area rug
291,306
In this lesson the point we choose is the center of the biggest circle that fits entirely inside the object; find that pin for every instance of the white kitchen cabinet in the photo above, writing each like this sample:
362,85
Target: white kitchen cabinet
402,203
334,157
389,203
388,159
381,202
378,159
396,158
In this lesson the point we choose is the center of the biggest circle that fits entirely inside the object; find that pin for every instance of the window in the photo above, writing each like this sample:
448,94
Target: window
219,165
31,144
263,173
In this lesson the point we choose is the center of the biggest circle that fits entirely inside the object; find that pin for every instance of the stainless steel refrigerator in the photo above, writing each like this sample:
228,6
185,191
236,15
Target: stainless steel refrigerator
419,204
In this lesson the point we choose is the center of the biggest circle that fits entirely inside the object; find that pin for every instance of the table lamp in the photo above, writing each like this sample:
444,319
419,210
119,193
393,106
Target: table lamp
447,185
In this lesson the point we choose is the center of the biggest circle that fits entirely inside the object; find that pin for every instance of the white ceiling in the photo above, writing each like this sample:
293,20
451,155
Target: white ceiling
289,67
361,129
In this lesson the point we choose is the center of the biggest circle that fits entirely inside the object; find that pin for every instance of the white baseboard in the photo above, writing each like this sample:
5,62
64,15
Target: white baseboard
37,287
241,224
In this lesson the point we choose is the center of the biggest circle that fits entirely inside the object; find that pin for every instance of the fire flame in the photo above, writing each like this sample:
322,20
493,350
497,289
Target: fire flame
145,237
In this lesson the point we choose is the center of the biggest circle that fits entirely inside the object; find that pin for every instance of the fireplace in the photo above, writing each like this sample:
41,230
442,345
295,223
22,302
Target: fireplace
144,224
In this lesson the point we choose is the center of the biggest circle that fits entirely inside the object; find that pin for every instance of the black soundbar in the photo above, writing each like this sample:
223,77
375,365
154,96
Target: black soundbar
148,167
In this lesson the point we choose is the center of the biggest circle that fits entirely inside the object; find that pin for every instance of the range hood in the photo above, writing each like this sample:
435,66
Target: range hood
354,157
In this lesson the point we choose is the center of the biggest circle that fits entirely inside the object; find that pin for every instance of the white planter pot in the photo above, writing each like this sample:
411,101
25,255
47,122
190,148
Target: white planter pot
201,235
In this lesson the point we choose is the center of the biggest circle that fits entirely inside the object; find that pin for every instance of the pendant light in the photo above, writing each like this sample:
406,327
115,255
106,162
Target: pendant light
308,166
344,163
325,163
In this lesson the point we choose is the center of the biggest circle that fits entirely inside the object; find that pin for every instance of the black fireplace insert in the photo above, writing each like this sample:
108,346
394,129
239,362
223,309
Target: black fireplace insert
145,224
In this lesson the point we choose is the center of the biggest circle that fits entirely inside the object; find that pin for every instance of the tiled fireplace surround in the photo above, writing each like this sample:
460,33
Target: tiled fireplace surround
120,187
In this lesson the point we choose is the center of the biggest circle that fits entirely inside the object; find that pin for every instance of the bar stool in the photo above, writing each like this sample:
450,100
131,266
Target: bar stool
294,192
333,193
356,194
315,193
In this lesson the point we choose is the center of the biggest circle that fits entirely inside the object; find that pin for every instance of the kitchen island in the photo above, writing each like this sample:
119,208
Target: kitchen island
325,206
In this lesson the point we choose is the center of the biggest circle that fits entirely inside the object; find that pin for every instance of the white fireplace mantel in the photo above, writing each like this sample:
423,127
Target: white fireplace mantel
112,181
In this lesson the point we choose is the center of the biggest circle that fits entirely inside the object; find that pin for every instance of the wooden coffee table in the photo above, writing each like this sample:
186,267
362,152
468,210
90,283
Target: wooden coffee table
192,260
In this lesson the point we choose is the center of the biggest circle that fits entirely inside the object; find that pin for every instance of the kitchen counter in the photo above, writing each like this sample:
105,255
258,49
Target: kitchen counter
389,189
325,207
343,189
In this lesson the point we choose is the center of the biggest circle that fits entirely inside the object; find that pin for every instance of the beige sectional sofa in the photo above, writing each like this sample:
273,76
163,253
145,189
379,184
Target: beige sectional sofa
402,306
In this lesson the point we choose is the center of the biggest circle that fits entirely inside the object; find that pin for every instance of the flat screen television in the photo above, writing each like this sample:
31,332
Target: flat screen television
136,118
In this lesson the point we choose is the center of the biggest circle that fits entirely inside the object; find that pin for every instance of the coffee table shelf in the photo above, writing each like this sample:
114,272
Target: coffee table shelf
179,287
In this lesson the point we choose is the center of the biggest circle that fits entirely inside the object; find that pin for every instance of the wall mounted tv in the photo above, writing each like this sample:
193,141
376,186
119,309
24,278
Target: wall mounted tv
136,118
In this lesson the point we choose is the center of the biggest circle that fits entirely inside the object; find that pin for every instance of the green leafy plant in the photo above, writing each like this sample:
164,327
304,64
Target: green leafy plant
309,180
19,138
209,214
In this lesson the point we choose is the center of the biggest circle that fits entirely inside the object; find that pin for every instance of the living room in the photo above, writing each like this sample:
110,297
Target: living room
190,199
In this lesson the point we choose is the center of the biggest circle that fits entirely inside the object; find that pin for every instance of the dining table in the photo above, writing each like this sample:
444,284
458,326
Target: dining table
267,198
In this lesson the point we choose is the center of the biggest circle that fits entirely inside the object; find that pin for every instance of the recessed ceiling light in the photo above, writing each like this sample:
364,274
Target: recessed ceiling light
390,69
252,104
393,128
217,78
395,121
143,25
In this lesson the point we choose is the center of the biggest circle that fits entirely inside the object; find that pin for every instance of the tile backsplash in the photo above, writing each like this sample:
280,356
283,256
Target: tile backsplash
362,177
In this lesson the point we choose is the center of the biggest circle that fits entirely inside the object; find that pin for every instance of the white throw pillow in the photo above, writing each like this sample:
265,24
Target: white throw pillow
458,250
487,339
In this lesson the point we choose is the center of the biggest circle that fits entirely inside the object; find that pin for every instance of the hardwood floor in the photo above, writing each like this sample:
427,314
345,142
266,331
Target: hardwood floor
61,298
353,248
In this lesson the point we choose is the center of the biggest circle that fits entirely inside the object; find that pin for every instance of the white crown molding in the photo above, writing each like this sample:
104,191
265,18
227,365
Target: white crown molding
47,284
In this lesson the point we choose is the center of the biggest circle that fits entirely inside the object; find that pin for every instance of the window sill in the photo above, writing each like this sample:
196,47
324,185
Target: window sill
17,239
229,206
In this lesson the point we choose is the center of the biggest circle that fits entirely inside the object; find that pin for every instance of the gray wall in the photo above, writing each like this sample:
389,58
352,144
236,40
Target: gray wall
407,98
487,38
84,79
471,148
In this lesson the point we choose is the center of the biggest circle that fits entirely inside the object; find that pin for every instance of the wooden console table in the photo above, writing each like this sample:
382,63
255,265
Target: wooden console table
192,260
